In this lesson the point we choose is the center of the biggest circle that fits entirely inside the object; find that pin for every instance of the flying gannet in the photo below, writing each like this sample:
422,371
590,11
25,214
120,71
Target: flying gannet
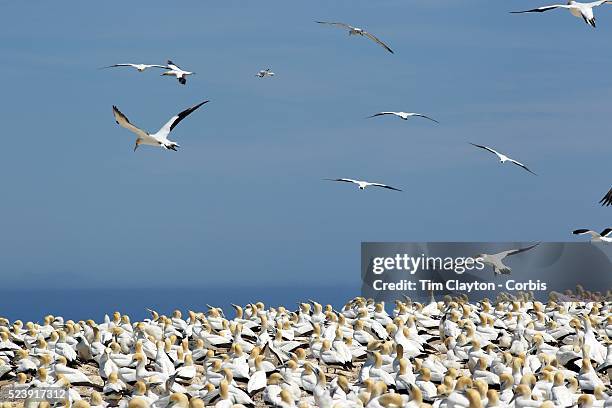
603,236
503,158
580,10
265,73
180,74
139,67
363,184
404,115
358,31
160,138
496,260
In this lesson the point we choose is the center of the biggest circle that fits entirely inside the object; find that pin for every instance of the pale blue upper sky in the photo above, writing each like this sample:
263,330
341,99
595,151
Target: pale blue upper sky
243,200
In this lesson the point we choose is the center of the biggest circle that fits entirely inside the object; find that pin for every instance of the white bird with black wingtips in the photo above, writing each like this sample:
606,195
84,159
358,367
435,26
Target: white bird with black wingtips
160,138
404,115
139,67
358,31
503,158
180,74
265,73
580,10
496,260
603,236
363,184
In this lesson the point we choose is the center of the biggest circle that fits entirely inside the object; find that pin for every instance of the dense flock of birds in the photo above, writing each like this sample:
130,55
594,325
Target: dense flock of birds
450,353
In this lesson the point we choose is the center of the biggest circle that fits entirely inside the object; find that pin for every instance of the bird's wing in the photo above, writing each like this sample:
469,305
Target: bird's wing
345,180
124,122
176,119
518,251
605,232
583,231
384,186
120,65
382,113
607,199
495,152
425,116
158,66
598,3
542,9
337,24
378,41
523,166
172,65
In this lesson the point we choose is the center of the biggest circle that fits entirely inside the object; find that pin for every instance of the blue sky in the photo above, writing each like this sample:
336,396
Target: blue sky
243,200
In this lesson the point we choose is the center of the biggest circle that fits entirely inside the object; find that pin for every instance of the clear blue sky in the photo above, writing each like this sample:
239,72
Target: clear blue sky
243,200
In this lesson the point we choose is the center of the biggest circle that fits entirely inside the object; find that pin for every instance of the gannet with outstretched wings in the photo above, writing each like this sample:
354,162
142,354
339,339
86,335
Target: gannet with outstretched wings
580,10
180,74
139,67
363,184
358,31
403,115
265,73
503,158
160,138
603,236
496,260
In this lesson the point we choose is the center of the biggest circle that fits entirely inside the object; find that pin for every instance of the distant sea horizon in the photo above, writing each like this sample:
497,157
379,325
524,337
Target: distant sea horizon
82,304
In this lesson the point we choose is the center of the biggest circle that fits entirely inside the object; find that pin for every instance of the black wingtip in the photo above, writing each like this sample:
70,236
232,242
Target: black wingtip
200,104
580,231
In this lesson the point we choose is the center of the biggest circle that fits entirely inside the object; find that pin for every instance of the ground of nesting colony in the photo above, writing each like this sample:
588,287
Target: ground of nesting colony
450,353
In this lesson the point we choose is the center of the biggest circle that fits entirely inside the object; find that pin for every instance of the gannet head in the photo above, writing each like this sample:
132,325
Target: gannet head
196,403
179,399
96,398
585,401
138,403
474,398
275,379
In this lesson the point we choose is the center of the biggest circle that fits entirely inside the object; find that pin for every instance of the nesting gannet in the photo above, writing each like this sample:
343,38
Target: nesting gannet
603,236
73,375
404,115
580,10
258,379
160,138
363,184
502,157
358,31
180,74
265,73
496,260
139,67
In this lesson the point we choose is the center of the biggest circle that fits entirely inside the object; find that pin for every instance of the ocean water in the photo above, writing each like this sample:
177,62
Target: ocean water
34,304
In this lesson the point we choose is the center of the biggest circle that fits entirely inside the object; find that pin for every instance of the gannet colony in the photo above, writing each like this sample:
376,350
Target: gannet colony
449,353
